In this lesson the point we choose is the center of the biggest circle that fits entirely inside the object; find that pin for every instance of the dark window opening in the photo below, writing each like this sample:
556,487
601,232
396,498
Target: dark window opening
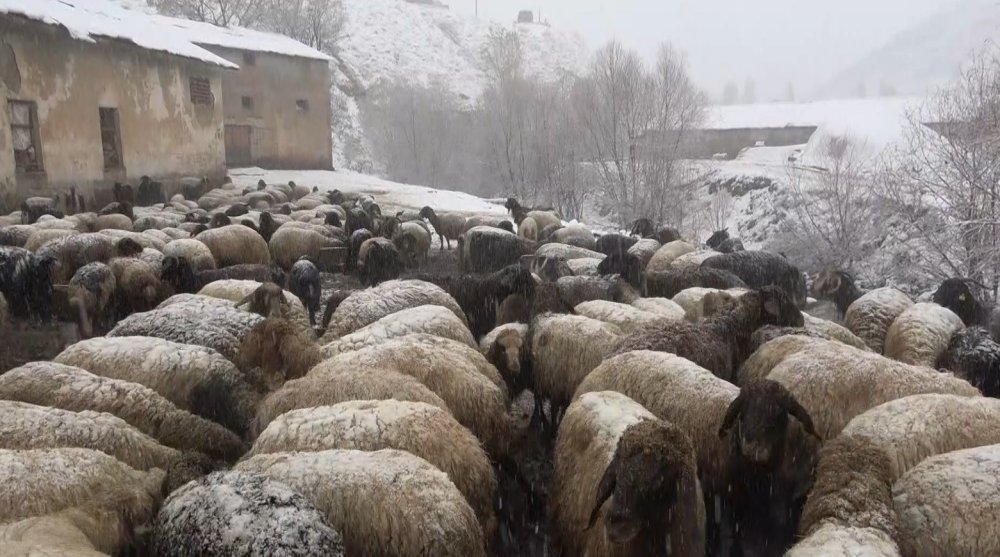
201,91
111,139
302,105
250,58
24,131
247,103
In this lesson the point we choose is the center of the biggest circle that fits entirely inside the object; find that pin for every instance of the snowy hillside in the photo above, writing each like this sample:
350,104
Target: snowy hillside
925,56
423,43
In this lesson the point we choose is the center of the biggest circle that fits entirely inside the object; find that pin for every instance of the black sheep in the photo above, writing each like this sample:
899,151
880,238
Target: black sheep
35,208
123,193
721,242
267,226
615,244
625,265
26,282
480,295
666,284
177,272
840,288
150,192
975,357
119,208
304,282
485,251
957,295
759,269
358,237
237,210
379,261
644,228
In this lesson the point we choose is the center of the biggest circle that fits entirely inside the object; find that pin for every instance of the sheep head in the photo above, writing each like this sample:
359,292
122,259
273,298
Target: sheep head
642,480
761,411
428,213
777,308
716,239
507,352
267,300
956,294
127,247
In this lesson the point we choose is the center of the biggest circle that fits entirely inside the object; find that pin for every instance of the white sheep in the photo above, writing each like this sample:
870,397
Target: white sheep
772,353
699,302
585,266
74,389
665,256
947,504
288,244
661,306
194,251
603,450
433,320
55,535
567,252
370,425
871,315
235,244
237,290
626,317
385,503
692,260
834,331
106,498
194,378
920,335
365,307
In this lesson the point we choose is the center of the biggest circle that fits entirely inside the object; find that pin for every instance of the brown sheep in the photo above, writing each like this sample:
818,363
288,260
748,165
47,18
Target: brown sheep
280,349
267,300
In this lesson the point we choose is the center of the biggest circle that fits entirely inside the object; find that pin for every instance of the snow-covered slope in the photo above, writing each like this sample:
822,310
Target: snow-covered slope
925,56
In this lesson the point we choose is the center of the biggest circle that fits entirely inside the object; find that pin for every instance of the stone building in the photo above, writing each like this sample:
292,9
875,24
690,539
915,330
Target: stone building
93,93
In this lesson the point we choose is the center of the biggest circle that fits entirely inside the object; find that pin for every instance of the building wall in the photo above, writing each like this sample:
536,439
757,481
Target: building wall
283,136
705,144
163,135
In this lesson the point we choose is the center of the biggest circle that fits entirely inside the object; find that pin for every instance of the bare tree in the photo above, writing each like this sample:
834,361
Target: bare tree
943,185
504,107
317,23
246,13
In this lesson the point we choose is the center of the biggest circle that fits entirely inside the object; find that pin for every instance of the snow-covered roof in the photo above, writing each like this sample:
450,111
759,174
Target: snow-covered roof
88,20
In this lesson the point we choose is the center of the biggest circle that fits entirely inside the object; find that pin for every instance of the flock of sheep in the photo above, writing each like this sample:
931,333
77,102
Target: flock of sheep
690,402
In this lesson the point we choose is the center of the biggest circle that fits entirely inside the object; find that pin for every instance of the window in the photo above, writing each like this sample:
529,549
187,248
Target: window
250,58
111,139
24,130
201,91
247,103
302,105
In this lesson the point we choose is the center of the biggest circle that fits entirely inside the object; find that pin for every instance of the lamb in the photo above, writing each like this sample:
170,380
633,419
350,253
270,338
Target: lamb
871,315
957,295
235,244
667,284
920,335
26,282
479,296
487,250
386,503
421,429
194,251
304,282
273,519
379,261
365,307
508,348
74,389
280,350
759,268
611,447
289,245
194,378
973,355
89,294
662,259
946,505
472,389
625,317
105,498
565,349
721,343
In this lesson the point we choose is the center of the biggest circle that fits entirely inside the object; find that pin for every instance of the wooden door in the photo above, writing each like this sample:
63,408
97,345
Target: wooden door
238,146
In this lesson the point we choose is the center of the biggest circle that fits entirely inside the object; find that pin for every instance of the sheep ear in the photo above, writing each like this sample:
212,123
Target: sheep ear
733,412
604,491
835,283
792,406
244,301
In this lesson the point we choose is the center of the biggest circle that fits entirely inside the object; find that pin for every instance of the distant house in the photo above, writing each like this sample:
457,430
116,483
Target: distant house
92,93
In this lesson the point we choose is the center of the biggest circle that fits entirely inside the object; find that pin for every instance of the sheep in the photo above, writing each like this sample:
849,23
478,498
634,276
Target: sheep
514,309
660,306
479,296
548,268
614,243
573,291
273,519
430,319
421,429
669,283
89,294
565,349
235,244
354,243
585,267
973,355
761,268
721,242
280,350
834,331
566,252
379,261
698,302
644,228
575,235
34,208
194,251
528,229
627,266
508,348
149,192
123,193
179,274
105,498
920,335
18,235
74,389
693,260
74,252
661,260
137,284
26,282
365,307
49,535
611,447
625,317
957,295
260,300
288,245
911,429
413,241
194,378
385,502
721,343
839,287
486,250
113,221
304,282
849,511
448,226
544,217
946,505
40,237
771,352
870,316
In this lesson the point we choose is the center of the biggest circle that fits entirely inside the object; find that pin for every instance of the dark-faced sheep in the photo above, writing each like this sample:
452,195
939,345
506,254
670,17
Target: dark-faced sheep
304,282
838,287
957,295
379,261
721,343
479,295
448,226
266,300
280,350
26,282
758,269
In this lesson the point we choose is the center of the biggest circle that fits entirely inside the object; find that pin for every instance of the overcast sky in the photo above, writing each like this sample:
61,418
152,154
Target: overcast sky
776,42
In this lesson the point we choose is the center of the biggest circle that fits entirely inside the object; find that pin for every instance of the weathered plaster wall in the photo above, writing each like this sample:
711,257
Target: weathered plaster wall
163,134
283,136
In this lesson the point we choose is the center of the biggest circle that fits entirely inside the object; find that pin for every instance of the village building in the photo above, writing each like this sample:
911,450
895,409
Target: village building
94,94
